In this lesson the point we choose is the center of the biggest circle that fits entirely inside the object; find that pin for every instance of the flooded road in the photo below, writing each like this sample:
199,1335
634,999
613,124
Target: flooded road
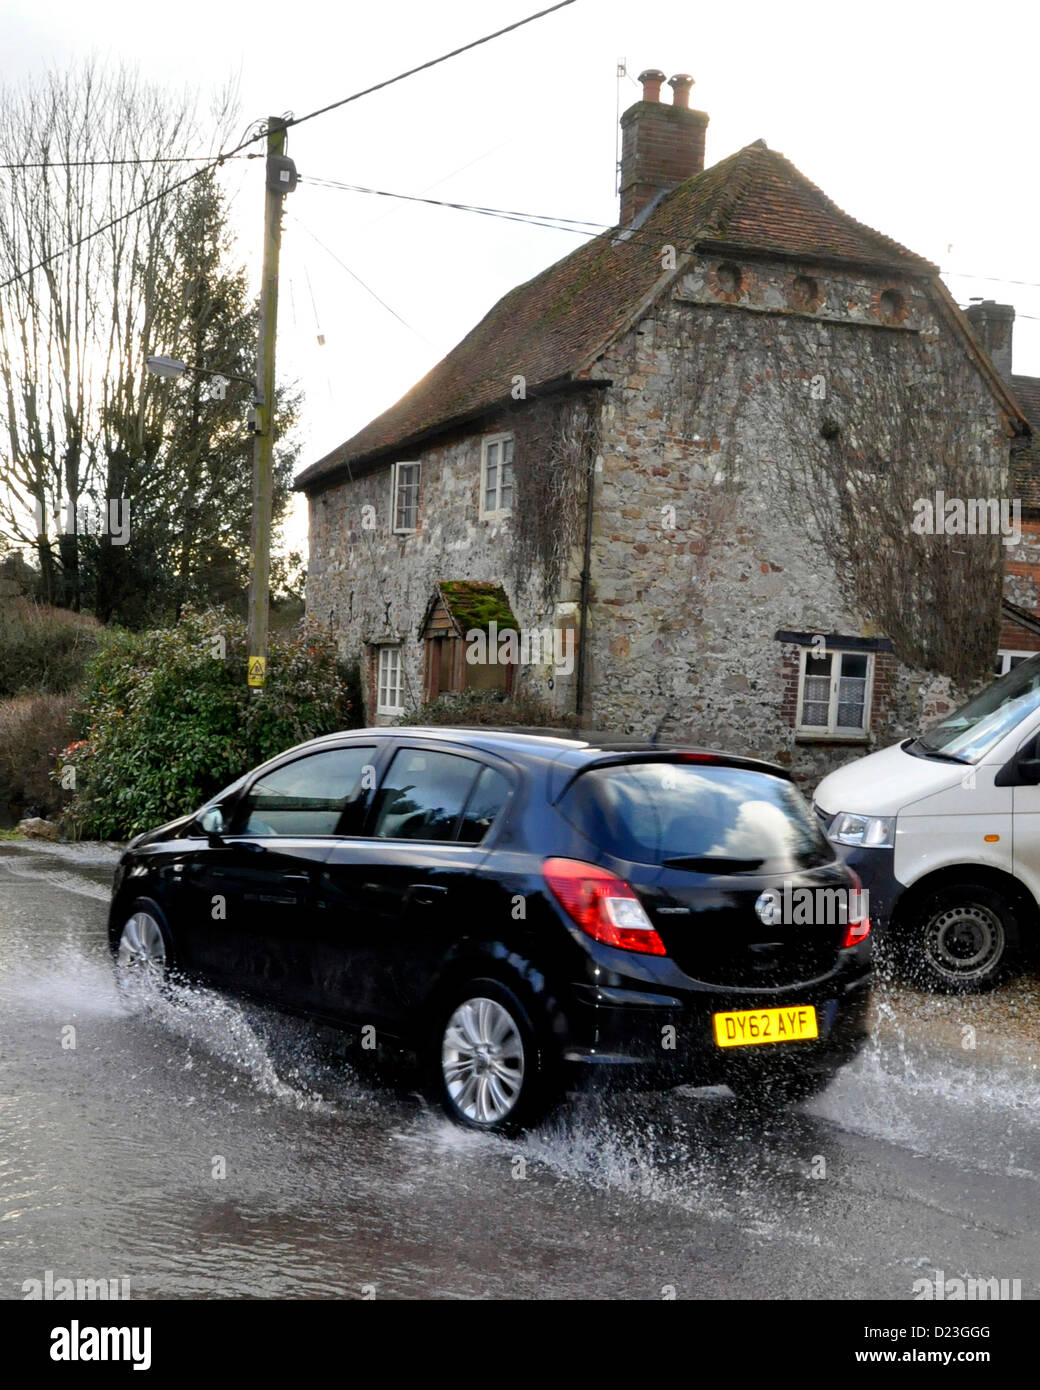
199,1148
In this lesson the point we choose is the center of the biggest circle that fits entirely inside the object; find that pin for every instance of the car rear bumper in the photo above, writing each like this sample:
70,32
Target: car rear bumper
664,1039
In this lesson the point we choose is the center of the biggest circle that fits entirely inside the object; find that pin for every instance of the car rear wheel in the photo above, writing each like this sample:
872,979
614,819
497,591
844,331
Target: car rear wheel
961,939
488,1068
142,954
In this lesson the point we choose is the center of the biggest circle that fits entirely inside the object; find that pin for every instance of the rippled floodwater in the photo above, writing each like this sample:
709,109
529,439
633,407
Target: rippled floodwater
336,1184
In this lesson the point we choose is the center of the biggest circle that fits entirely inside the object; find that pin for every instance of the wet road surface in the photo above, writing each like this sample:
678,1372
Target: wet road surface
335,1185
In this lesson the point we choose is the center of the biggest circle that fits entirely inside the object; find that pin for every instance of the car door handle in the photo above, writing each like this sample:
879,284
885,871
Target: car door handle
295,878
426,894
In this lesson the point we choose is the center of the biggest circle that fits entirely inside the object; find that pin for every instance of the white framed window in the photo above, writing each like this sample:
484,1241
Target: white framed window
1008,660
834,690
496,476
389,681
404,497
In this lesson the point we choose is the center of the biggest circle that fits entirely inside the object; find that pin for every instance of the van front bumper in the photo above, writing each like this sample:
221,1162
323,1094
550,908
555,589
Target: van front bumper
874,867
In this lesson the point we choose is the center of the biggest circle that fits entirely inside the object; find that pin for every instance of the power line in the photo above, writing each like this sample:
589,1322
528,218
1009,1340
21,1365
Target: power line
556,222
583,225
993,279
353,274
432,63
260,135
111,163
112,222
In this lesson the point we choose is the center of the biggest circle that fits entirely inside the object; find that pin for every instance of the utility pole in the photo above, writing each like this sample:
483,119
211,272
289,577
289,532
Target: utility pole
281,179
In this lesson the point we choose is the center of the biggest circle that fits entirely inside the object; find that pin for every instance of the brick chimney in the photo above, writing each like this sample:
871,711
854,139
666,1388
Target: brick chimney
661,144
994,325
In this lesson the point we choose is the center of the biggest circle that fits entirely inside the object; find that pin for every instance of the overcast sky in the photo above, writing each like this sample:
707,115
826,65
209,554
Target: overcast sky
917,118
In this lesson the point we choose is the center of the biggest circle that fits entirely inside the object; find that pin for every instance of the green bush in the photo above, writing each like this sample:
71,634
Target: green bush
43,650
32,730
168,718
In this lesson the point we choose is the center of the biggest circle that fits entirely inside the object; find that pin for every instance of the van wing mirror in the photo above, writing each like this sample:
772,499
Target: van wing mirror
1021,770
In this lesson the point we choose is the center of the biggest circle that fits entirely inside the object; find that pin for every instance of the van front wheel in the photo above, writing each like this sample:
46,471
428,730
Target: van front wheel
961,939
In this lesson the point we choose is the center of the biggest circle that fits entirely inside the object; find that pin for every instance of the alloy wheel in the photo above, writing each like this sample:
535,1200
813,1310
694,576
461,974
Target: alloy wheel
482,1061
142,950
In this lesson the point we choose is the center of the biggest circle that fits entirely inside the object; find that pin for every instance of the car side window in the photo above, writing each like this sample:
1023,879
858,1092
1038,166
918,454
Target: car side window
487,799
311,796
423,795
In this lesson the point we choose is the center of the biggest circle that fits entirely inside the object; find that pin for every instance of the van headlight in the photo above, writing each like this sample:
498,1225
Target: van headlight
870,832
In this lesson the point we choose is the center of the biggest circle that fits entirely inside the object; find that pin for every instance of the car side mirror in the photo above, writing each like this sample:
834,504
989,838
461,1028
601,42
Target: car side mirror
213,825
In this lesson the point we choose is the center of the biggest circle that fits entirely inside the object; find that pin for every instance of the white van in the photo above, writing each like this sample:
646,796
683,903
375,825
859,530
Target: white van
944,832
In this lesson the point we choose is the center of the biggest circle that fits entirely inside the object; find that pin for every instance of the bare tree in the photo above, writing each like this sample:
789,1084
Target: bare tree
81,307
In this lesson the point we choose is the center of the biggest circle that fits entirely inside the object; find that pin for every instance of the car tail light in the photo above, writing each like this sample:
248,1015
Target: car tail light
857,928
602,905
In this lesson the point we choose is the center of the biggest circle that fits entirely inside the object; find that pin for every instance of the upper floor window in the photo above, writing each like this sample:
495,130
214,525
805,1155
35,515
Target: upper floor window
404,504
496,476
389,682
834,692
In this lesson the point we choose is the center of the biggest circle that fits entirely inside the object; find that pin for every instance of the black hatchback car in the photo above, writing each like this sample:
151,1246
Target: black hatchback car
520,911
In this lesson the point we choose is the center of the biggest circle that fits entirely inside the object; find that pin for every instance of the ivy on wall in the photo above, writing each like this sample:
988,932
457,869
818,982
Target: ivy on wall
556,443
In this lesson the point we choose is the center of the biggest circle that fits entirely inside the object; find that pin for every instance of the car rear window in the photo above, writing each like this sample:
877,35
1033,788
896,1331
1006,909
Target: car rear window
700,817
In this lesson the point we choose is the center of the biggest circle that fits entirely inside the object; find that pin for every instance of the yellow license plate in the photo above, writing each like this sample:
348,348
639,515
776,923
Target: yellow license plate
753,1027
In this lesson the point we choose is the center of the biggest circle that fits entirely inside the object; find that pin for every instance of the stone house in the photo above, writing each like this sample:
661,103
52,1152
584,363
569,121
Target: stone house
692,454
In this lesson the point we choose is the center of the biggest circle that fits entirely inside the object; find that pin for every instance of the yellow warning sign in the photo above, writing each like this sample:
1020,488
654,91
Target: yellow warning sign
257,670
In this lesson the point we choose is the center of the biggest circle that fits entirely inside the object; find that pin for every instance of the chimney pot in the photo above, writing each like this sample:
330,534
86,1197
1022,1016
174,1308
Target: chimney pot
652,78
680,85
662,143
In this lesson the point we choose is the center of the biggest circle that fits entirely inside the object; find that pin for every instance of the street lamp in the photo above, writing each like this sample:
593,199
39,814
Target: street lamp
165,366
173,367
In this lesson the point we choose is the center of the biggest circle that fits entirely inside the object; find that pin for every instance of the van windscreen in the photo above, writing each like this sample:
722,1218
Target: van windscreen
971,731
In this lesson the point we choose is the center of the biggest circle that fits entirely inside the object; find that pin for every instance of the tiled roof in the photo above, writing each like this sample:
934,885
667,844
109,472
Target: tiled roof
1025,474
776,208
1027,393
555,326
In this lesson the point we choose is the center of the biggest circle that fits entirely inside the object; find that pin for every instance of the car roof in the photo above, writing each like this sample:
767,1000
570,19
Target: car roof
573,750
